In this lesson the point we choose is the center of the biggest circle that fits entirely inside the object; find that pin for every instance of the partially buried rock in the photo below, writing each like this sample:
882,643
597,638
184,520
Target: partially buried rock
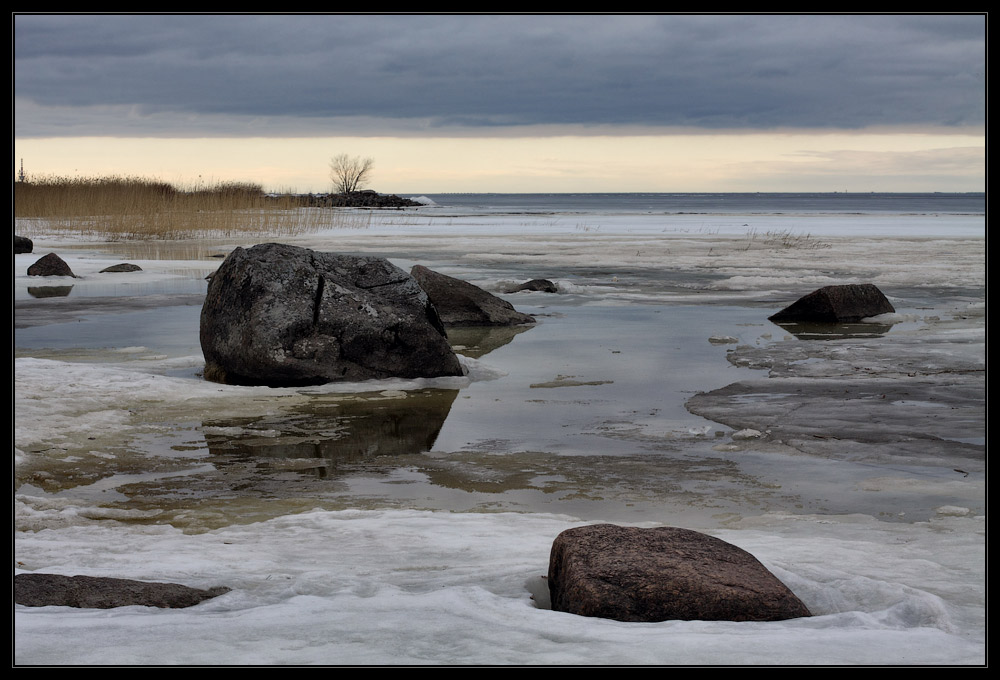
836,304
280,315
50,265
662,574
123,267
96,592
460,303
535,285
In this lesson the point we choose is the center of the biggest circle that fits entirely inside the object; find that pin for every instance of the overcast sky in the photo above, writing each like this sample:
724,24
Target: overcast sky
420,76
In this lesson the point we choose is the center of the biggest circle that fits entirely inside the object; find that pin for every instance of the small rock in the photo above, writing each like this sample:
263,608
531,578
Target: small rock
536,285
22,245
123,267
50,265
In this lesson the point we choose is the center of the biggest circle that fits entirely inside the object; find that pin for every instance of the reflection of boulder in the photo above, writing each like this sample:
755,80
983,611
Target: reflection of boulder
97,592
50,265
834,304
835,331
349,429
460,303
663,574
478,341
49,291
280,315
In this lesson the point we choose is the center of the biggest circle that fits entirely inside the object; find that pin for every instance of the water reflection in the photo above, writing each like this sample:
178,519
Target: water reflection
478,341
333,431
49,291
835,331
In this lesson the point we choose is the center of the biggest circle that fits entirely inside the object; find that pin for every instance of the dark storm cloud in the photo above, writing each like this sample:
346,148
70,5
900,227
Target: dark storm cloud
302,72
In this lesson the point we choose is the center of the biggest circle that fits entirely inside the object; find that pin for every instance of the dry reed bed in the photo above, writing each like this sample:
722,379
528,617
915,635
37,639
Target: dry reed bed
126,208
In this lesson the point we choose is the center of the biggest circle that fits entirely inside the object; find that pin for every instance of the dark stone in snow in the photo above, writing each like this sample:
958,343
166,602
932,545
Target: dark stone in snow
123,267
460,303
280,315
95,592
536,285
661,574
50,265
22,244
833,304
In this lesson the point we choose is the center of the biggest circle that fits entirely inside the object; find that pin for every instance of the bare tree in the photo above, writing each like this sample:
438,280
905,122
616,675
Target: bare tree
350,173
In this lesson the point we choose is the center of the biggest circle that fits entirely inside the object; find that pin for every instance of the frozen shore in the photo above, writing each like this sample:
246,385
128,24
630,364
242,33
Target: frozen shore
854,468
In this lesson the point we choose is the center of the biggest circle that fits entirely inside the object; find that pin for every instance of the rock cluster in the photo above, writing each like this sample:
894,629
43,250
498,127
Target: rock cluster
282,316
363,199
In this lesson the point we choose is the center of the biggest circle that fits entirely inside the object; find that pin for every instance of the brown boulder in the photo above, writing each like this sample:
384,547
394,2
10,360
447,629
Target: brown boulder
50,265
835,304
662,574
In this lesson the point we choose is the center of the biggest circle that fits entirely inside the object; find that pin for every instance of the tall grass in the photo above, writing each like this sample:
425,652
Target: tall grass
123,208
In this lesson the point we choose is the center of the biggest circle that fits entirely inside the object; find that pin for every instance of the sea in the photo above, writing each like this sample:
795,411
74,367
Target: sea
713,203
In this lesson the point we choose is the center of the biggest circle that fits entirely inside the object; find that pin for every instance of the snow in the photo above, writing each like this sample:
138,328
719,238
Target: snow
889,555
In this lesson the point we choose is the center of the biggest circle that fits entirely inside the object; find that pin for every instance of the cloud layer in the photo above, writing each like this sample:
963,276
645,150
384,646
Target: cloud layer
242,75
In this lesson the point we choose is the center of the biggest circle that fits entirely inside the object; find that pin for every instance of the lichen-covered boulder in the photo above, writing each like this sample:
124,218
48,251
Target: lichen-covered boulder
662,574
460,303
281,315
836,304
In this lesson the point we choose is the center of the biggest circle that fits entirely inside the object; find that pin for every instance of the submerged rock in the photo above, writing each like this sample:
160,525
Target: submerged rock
535,285
50,265
662,574
95,592
460,303
834,304
281,315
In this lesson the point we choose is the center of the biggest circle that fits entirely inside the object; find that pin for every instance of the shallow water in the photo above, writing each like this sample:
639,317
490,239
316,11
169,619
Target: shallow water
582,413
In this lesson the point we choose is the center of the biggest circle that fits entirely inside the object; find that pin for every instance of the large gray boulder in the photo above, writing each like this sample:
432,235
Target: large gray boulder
98,592
836,304
460,303
281,315
662,574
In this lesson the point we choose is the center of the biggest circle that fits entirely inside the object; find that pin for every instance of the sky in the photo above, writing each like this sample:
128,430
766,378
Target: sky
507,103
